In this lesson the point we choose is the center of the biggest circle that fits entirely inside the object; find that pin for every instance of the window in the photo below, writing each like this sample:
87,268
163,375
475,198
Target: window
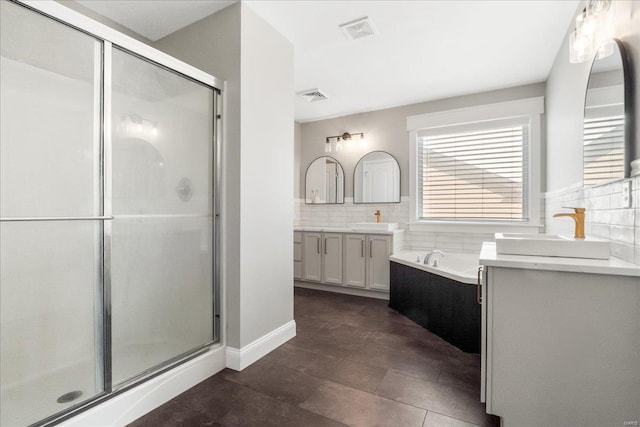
475,165
477,173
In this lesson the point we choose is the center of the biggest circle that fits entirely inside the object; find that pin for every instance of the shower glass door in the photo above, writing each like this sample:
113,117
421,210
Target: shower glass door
162,237
50,217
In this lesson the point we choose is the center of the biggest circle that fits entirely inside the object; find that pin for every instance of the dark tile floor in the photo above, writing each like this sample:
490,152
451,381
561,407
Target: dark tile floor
354,362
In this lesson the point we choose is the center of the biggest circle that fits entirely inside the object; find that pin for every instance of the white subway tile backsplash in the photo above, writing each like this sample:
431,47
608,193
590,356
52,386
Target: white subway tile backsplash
623,251
605,217
622,234
624,217
598,202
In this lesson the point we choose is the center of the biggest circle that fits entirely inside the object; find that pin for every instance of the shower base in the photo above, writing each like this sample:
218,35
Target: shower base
28,402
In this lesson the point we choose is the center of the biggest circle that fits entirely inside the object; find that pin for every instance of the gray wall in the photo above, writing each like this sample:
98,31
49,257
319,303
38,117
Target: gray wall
297,157
386,130
566,87
257,64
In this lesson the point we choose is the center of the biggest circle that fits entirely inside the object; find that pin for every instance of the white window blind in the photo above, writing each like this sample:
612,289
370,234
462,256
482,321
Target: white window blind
474,172
603,149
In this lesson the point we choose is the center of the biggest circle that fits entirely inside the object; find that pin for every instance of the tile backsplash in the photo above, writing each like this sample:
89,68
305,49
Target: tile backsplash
605,215
346,214
605,218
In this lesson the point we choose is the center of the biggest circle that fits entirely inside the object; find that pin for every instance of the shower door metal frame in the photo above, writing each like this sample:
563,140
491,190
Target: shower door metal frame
110,38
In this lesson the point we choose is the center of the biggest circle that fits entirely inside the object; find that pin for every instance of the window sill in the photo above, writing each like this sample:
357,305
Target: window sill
474,227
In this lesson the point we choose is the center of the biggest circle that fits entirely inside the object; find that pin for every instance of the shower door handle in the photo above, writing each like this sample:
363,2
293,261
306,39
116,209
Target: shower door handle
58,218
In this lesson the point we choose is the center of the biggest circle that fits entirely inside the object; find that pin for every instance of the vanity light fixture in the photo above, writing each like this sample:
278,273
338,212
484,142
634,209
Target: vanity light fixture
346,137
592,29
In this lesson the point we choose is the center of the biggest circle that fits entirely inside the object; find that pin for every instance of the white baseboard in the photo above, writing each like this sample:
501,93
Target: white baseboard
132,404
238,359
343,290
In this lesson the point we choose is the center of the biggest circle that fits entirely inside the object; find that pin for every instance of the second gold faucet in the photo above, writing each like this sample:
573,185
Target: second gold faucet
378,216
578,217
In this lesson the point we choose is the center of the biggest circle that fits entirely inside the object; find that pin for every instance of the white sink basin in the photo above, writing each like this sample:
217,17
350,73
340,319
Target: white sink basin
551,245
375,226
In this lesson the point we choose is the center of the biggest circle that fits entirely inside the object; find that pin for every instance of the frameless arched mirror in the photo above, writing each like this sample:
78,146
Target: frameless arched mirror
324,182
607,116
376,179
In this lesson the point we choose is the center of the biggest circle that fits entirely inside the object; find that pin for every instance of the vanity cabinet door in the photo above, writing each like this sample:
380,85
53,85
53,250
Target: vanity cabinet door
312,255
355,260
332,265
379,250
297,255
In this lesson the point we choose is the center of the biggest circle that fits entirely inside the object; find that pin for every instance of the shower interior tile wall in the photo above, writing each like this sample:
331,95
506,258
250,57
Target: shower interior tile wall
346,214
605,217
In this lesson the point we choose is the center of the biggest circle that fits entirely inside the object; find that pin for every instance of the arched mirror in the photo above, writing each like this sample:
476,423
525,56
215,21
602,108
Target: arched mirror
324,182
376,179
608,144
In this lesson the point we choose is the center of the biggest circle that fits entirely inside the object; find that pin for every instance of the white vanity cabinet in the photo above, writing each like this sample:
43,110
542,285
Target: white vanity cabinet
367,261
355,260
332,258
561,340
312,256
350,260
322,254
297,255
378,262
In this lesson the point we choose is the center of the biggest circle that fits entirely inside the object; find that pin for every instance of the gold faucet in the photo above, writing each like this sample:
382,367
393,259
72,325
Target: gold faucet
578,217
377,214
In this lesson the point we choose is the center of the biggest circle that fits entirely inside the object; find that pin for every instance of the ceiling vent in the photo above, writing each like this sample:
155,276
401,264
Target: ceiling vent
358,29
312,95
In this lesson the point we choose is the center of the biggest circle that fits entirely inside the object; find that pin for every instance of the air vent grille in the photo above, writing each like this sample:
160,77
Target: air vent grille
358,29
312,95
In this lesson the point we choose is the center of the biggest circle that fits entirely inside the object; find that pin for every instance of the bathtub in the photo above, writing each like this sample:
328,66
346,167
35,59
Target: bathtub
459,266
441,299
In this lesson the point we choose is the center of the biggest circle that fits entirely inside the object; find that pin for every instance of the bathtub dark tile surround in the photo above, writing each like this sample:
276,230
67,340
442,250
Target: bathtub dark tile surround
354,361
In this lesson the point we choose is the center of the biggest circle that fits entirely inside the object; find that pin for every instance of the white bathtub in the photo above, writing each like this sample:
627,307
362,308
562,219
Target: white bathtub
459,266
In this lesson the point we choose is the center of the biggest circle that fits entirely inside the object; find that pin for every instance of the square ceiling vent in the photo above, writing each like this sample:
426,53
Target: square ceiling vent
312,95
358,29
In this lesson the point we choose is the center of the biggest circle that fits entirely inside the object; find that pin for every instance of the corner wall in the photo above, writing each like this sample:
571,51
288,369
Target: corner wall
566,87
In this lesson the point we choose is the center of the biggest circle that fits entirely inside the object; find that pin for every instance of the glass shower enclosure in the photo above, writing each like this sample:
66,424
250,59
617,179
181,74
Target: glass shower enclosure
107,225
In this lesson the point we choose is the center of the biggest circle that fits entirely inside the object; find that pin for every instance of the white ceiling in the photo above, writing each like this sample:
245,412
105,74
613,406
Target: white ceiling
423,50
155,19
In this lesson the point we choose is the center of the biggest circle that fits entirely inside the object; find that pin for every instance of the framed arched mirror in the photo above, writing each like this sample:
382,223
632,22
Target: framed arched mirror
324,182
608,115
376,179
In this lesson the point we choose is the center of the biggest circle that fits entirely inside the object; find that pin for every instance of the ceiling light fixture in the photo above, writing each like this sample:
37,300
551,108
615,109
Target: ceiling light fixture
346,137
593,28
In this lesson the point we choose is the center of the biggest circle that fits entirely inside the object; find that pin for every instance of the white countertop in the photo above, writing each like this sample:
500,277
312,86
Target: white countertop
611,266
345,230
